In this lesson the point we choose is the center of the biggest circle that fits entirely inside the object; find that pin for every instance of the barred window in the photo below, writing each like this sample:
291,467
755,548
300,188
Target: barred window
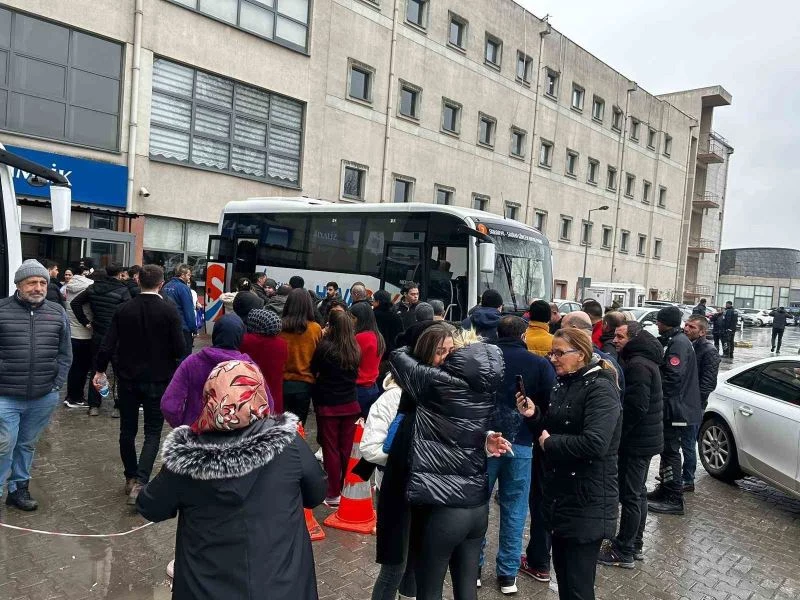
216,123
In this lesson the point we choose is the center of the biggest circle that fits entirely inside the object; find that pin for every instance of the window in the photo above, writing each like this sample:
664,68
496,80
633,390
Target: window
551,83
642,245
571,164
287,25
598,109
333,243
662,197
171,242
667,145
591,171
417,12
783,296
623,241
524,67
586,233
634,130
606,240
545,154
480,202
59,83
359,81
354,180
486,126
651,138
611,179
518,142
539,220
578,94
451,116
211,122
646,192
409,100
630,183
457,34
657,248
494,51
444,195
102,222
779,380
403,189
512,210
566,228
616,119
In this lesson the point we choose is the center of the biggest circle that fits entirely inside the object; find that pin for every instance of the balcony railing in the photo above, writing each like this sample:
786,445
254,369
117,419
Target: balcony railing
707,200
711,149
701,245
693,289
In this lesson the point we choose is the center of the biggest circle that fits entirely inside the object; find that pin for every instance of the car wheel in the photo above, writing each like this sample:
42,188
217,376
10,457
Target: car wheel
759,323
718,451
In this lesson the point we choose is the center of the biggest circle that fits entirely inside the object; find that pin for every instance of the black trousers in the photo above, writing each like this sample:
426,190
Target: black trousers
633,498
717,337
188,339
450,537
728,343
777,334
538,550
133,394
79,369
576,566
671,464
297,399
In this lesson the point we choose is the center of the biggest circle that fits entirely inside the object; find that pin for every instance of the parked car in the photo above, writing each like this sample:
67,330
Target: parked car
755,317
752,424
646,315
566,306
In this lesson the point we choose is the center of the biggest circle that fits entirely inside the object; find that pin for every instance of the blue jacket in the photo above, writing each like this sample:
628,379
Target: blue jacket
178,292
539,378
484,321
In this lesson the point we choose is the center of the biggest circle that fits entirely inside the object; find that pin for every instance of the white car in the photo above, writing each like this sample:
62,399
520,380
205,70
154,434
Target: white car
646,315
752,424
756,317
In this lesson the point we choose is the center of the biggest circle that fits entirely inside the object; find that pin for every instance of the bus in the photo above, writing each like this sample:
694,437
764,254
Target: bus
12,165
452,253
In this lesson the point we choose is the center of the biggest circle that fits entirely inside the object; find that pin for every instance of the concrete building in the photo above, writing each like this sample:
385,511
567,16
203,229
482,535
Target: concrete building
197,103
759,277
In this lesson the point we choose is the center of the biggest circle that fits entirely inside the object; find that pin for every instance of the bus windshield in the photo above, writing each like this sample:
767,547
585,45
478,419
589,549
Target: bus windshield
522,269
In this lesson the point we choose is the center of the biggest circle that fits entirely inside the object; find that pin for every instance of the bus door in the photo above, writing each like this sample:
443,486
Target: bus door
402,263
245,259
217,276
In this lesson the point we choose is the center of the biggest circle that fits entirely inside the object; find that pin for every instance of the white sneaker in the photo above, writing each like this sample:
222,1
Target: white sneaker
318,455
171,569
508,585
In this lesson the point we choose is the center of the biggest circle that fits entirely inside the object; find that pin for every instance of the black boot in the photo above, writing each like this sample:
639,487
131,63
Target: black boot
672,504
21,498
658,494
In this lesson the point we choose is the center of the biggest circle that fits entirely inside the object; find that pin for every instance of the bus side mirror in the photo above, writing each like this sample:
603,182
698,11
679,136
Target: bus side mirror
486,257
61,206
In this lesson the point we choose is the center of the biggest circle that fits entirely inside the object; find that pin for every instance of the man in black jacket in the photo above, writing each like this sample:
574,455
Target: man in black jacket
611,321
707,357
700,309
145,335
778,325
53,287
730,321
642,438
682,408
104,297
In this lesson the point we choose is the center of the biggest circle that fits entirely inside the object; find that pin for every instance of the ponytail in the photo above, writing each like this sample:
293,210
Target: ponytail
607,366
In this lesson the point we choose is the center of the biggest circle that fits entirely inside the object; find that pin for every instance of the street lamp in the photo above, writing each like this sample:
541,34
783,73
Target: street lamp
586,250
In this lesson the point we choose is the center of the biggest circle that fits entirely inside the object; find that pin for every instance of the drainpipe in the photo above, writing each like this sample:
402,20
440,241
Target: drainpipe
133,117
389,102
533,153
623,136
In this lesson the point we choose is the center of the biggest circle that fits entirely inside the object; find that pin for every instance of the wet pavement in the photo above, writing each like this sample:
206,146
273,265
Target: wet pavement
739,542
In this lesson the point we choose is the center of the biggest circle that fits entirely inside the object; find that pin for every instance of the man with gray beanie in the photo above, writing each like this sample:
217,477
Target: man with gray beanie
34,336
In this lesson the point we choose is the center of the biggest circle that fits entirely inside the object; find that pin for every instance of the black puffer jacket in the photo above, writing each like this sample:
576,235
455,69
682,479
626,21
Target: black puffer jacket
104,297
707,367
454,406
679,380
643,403
580,456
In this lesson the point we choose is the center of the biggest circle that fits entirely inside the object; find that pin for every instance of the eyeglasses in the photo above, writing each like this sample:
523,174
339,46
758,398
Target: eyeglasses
559,353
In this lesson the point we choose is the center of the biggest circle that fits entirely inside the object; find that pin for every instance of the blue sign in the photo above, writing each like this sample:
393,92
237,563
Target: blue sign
93,182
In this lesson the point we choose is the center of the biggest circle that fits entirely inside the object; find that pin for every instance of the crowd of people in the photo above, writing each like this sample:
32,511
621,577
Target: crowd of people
562,415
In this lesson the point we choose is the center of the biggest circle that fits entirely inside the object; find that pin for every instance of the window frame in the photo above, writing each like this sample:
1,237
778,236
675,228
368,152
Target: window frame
633,134
511,210
624,239
458,107
646,187
598,101
540,215
464,23
573,174
357,65
641,245
527,63
565,220
658,244
546,149
606,245
406,86
556,77
492,123
517,132
630,184
581,95
611,174
592,162
480,199
617,119
652,135
410,181
662,196
586,232
667,145
451,191
364,171
498,42
425,15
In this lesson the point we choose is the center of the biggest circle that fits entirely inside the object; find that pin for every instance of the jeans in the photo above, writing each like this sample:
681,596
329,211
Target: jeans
366,397
393,579
538,550
777,333
633,498
79,369
21,424
689,447
576,568
514,475
297,399
670,465
132,394
336,435
450,537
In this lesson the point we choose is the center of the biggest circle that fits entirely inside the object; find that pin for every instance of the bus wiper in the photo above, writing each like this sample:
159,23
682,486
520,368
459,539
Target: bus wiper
507,267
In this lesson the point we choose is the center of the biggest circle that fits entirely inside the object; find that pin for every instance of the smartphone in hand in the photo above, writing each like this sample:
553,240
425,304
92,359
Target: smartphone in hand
521,390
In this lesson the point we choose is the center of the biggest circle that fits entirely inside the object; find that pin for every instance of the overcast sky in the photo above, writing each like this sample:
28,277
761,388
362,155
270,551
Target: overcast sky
752,49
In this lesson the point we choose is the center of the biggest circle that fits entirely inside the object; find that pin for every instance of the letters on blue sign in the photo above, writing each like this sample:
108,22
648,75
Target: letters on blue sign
93,182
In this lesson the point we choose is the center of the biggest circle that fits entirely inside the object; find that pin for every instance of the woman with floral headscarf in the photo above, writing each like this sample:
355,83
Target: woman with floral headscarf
238,479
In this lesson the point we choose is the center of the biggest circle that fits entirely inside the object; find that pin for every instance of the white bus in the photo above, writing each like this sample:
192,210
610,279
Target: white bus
452,253
60,199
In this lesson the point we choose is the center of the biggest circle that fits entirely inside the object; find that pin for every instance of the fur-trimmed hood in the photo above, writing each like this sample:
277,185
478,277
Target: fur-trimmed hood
220,456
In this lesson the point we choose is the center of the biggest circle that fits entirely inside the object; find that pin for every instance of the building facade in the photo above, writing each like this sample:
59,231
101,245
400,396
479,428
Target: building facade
471,103
759,277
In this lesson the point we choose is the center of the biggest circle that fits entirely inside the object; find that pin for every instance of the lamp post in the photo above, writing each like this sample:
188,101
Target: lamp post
586,249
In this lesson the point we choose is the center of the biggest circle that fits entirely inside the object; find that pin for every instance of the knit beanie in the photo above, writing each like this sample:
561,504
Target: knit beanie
31,268
670,316
265,322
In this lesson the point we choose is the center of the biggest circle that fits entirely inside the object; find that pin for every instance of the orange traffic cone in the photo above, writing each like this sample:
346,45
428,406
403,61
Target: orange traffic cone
356,512
314,530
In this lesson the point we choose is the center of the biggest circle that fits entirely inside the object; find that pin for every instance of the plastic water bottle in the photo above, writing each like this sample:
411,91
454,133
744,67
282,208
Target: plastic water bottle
102,386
